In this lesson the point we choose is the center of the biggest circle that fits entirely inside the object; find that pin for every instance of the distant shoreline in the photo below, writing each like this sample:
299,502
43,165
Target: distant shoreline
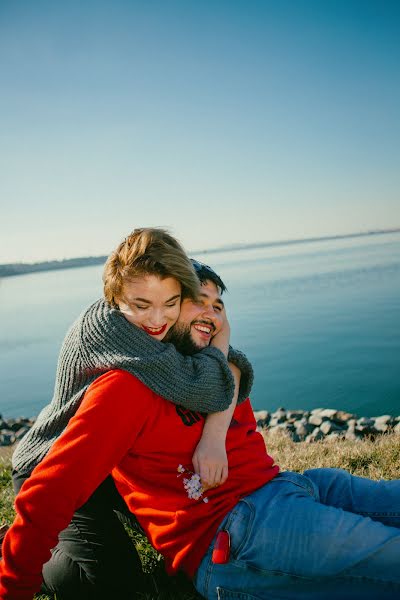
14,269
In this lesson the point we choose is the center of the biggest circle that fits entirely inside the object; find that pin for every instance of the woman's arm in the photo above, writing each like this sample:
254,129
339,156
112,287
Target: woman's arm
240,360
210,459
104,340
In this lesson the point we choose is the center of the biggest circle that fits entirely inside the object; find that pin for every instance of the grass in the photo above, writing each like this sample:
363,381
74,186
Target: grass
377,459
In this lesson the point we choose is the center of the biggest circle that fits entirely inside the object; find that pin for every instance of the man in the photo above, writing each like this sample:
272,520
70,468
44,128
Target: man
325,534
259,535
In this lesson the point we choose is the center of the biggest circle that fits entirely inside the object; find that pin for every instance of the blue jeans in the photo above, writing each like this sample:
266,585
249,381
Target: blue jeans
324,535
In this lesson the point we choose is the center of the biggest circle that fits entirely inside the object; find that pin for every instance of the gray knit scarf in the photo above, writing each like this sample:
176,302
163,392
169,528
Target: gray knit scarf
102,339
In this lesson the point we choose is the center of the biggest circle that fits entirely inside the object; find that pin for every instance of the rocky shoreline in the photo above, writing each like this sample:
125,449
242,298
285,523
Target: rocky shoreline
12,430
321,423
299,425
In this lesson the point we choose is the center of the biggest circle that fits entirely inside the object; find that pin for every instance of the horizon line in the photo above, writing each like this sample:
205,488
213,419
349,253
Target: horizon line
226,248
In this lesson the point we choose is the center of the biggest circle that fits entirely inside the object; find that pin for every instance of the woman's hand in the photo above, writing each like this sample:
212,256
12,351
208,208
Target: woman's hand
209,459
221,339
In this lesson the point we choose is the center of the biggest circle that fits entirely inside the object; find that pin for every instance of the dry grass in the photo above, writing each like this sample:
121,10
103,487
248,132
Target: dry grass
6,491
376,459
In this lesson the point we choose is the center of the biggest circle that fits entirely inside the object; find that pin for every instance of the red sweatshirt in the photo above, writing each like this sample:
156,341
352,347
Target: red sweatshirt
124,428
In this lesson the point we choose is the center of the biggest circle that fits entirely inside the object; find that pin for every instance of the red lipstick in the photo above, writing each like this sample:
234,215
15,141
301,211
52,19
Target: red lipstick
155,331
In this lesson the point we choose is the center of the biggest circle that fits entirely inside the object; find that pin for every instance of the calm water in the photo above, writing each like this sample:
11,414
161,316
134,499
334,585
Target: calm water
319,321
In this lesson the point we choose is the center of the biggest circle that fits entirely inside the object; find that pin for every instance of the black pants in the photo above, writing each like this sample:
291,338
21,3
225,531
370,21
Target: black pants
94,557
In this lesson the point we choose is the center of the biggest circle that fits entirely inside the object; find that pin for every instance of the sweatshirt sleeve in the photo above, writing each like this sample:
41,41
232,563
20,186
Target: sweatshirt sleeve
239,359
78,462
106,340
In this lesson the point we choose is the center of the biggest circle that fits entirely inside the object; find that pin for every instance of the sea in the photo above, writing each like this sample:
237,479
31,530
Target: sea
319,321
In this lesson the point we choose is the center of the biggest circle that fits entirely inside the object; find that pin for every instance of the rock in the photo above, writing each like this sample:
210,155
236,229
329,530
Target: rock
387,419
286,427
365,422
363,430
304,424
12,430
17,424
329,413
294,415
6,438
328,427
279,416
336,436
381,427
315,419
301,430
343,417
315,435
20,433
351,435
262,417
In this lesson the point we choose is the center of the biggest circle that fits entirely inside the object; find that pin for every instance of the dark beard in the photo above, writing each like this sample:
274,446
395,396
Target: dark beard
179,336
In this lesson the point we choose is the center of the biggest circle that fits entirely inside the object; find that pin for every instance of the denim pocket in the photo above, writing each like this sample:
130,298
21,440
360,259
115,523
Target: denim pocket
223,594
298,479
239,525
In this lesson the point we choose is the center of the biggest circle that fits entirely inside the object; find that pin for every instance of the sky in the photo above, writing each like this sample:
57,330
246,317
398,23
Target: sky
226,122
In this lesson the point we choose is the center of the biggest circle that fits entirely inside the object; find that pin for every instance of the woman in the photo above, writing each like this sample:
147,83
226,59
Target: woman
145,279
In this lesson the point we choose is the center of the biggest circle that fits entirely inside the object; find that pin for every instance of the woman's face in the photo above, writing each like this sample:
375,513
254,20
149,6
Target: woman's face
151,303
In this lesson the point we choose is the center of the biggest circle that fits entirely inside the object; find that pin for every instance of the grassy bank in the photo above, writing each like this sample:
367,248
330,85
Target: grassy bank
375,459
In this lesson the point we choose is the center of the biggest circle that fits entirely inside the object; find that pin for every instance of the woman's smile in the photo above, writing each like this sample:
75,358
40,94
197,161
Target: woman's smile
154,331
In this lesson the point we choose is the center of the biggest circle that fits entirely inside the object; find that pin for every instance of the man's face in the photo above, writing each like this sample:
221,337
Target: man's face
198,321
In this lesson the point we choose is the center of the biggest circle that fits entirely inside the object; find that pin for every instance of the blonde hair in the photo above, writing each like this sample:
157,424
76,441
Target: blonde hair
148,251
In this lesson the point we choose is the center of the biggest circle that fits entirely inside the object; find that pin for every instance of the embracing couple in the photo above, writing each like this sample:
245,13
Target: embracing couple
151,417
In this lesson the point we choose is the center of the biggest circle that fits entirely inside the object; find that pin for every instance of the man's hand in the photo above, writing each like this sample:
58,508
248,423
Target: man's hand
210,461
221,339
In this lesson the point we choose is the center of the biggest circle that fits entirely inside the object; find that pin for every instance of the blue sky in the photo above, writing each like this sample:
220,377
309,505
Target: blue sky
227,122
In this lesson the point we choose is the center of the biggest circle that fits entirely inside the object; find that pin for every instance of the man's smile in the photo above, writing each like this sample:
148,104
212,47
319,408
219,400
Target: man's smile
205,329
